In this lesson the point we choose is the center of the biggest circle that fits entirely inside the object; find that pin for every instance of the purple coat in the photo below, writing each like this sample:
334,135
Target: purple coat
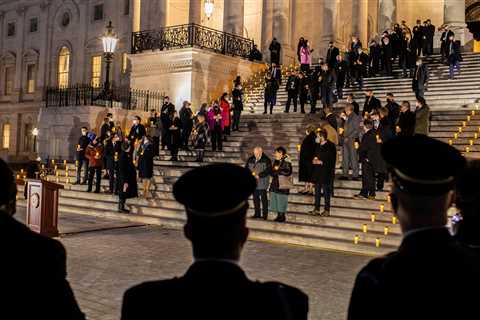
211,117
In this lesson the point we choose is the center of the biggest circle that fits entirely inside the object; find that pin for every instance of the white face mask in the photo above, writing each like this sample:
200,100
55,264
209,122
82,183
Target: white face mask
317,139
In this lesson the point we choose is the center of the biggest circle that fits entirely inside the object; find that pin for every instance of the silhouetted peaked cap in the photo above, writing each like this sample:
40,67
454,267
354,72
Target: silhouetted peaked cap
215,190
422,165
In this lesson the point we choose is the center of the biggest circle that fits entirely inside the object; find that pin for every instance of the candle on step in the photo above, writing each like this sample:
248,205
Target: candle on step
356,239
18,177
68,180
373,217
469,118
386,230
53,161
377,242
394,220
475,135
64,162
298,147
382,208
364,228
460,129
450,141
471,142
455,135
473,112
76,163
389,199
43,167
467,149
464,123
356,145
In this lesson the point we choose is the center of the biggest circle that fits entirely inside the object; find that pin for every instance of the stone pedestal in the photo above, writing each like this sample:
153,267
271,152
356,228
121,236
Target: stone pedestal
59,128
188,74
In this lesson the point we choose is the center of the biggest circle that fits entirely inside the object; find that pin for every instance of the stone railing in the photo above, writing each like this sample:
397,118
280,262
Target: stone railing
191,35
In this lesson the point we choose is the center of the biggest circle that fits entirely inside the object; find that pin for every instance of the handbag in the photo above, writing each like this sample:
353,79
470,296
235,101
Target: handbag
285,182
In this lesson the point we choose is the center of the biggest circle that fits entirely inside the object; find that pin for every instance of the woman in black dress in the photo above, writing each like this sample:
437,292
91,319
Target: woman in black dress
305,165
145,164
127,176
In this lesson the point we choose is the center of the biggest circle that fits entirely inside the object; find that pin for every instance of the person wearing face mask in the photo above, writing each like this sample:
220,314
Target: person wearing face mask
145,164
420,79
360,64
422,117
82,161
281,183
405,125
374,58
351,133
174,135
408,56
418,32
137,131
368,154
327,85
200,137
387,55
260,165
332,54
165,112
454,56
94,154
341,71
323,173
393,108
371,105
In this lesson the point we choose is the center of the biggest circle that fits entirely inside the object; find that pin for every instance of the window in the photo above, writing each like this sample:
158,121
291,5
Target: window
98,12
96,71
9,80
11,29
33,24
126,9
124,62
65,21
6,136
63,67
31,76
27,137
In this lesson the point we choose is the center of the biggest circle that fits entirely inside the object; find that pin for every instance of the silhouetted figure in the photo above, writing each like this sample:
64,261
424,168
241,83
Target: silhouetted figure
429,266
33,273
215,287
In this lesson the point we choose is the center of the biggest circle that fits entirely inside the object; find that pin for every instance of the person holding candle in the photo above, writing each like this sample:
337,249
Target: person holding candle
94,154
369,158
155,131
82,161
137,131
200,136
393,109
215,124
111,149
414,275
186,117
351,133
305,166
127,176
281,183
165,112
174,135
422,117
405,125
145,164
371,103
226,117
384,133
323,172
260,166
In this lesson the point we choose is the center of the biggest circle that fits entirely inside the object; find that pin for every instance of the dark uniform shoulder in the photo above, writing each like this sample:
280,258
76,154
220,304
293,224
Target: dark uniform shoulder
294,300
376,267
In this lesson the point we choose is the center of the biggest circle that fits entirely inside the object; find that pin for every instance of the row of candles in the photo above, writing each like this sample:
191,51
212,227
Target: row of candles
373,218
461,130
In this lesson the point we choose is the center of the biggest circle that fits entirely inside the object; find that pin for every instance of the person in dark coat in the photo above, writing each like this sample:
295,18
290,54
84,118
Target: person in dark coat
384,132
418,33
429,34
327,86
200,137
174,135
444,40
323,172
341,71
127,175
454,56
387,56
408,56
275,51
314,87
303,89
155,131
186,118
368,155
105,128
331,118
237,97
393,108
137,131
145,164
282,170
215,125
415,272
111,154
215,286
292,91
165,112
374,58
305,165
405,125
83,142
33,268
331,57
255,54
467,201
360,65
420,79
422,117
270,93
260,166
356,106
94,154
371,103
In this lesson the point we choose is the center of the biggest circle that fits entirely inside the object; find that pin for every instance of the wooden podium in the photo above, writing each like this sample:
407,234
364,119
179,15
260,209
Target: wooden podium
42,207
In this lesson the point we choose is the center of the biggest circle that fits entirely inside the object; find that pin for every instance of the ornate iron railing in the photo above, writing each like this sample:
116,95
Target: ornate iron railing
191,35
120,97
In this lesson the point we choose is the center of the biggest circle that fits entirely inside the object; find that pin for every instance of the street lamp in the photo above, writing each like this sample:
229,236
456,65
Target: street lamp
109,41
208,7
35,132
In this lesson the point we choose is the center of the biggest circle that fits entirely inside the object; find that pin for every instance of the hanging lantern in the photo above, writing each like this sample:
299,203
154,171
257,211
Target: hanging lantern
209,7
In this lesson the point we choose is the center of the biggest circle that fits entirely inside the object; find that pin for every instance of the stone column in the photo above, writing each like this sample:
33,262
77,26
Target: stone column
359,20
329,23
153,15
281,26
195,12
233,17
267,27
136,15
454,17
387,14
20,38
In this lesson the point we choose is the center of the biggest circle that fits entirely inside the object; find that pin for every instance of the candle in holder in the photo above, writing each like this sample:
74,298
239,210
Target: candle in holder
464,124
460,129
455,135
467,149
253,173
364,228
471,142
76,163
389,199
386,230
21,171
377,242
115,157
298,147
66,173
276,168
394,220
356,239
55,168
373,217
341,131
78,147
469,118
356,145
68,180
64,162
43,167
473,112
382,208
97,154
18,177
450,141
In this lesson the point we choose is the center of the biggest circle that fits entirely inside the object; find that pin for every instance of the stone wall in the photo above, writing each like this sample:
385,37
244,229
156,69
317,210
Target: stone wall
59,128
188,74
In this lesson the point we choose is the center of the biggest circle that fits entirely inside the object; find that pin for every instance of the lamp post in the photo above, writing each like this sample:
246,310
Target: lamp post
109,41
35,134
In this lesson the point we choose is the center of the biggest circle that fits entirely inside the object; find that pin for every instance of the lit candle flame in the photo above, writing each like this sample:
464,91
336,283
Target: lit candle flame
394,220
382,208
364,228
372,217
356,239
377,242
386,230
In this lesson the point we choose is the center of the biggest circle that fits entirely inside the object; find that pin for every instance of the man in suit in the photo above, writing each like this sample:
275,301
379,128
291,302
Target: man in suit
215,287
371,103
292,91
332,53
444,40
393,108
429,266
387,55
81,147
418,32
137,131
454,56
275,49
351,134
331,118
430,34
420,78
167,109
368,156
360,64
351,100
341,71
33,269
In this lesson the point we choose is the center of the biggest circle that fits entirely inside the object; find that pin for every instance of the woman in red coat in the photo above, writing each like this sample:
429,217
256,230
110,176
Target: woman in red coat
225,106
